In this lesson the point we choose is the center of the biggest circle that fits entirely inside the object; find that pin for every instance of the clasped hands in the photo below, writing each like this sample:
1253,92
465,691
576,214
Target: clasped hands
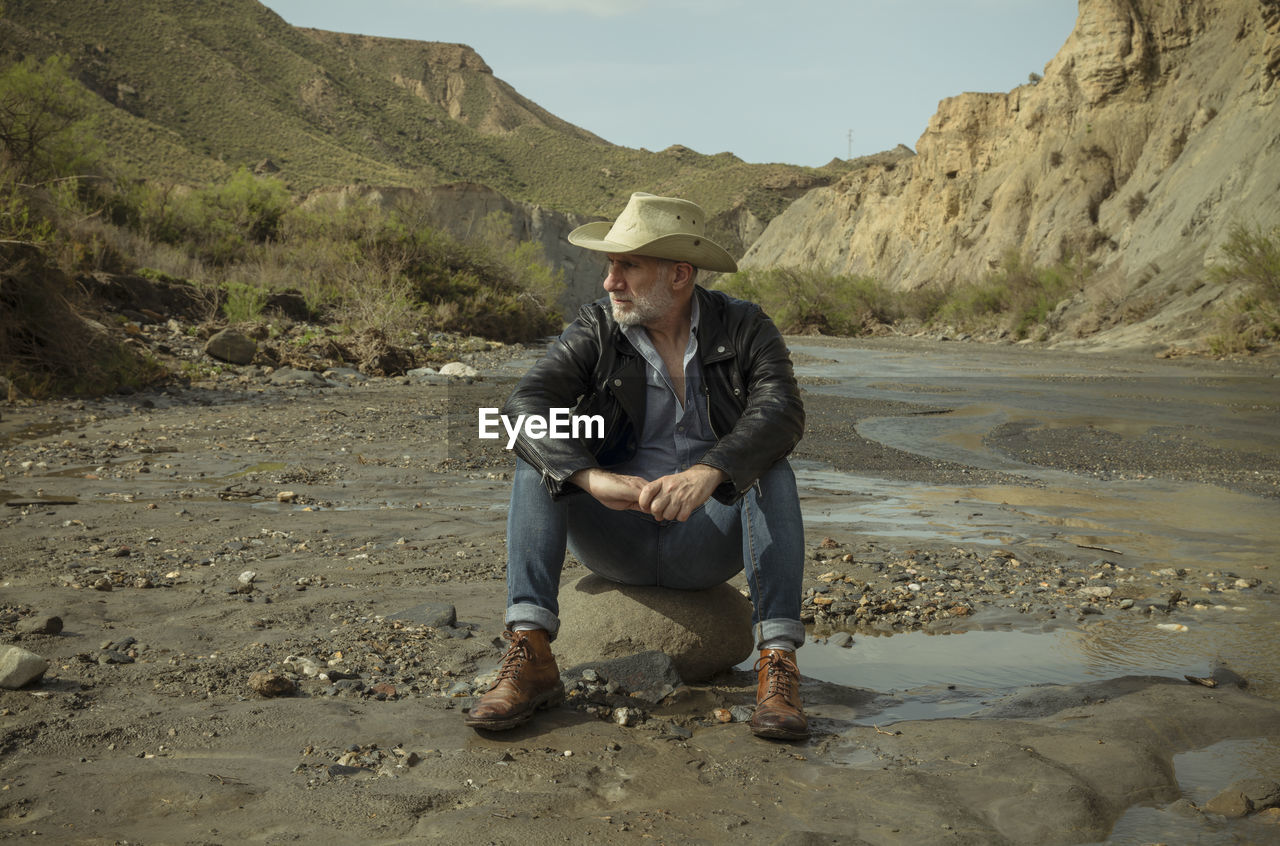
673,497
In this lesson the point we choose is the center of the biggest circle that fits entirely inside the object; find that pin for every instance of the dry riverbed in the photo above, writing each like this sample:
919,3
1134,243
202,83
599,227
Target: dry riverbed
342,543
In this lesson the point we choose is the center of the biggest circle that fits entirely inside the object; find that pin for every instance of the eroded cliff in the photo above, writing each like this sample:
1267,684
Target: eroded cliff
1151,133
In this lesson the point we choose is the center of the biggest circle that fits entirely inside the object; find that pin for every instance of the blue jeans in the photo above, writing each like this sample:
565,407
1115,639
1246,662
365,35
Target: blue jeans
762,533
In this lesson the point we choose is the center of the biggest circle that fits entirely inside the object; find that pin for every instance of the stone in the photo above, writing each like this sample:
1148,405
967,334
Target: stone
232,347
19,667
292,376
46,624
437,615
705,632
1230,803
459,370
271,684
1260,793
648,676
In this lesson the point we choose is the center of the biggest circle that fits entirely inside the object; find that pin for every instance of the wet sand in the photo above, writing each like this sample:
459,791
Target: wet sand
135,520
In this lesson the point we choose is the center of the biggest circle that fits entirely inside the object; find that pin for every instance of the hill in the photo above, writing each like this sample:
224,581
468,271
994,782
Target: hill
190,90
1149,139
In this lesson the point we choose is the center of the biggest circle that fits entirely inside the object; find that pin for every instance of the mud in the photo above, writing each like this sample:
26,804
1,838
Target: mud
137,520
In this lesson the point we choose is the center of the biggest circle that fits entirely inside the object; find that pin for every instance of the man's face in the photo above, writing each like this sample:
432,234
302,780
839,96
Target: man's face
639,288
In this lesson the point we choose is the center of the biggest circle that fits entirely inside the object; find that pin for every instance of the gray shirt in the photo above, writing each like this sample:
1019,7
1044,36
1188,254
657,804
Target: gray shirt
672,438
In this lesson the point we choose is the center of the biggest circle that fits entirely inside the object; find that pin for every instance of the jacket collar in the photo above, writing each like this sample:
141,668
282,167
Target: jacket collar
713,340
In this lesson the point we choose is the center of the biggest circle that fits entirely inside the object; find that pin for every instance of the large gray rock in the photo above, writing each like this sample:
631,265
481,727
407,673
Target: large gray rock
704,631
232,347
19,668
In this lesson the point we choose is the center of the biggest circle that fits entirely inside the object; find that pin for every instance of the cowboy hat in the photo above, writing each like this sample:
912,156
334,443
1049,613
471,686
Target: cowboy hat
660,227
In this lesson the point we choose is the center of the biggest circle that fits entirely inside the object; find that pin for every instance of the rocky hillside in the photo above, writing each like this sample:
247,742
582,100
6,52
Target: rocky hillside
189,91
1152,132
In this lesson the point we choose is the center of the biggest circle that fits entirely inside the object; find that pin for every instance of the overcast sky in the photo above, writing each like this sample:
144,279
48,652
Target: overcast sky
769,80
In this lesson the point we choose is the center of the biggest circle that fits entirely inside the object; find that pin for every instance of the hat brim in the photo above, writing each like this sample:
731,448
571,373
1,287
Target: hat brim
699,251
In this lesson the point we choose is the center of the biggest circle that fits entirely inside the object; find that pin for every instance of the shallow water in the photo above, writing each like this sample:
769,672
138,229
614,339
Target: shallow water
1146,522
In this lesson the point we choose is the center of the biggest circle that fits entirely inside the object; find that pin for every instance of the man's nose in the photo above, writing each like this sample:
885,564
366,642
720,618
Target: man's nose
612,280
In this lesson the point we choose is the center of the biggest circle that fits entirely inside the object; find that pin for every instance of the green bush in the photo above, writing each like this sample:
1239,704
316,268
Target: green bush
1016,297
45,130
807,300
1251,262
243,302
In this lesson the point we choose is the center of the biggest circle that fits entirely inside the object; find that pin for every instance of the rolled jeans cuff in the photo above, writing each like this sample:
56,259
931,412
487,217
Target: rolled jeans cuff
780,627
527,612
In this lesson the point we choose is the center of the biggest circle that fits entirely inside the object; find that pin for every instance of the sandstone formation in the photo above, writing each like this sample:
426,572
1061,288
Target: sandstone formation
452,76
1152,132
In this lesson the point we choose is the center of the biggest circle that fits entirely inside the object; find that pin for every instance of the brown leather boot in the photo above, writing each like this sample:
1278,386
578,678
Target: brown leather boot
778,713
528,680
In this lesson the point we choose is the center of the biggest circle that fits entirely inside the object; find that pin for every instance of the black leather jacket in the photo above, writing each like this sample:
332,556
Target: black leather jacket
755,408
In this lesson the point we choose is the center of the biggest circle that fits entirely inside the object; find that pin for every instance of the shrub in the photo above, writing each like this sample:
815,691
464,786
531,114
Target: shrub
812,300
1017,296
1251,263
45,131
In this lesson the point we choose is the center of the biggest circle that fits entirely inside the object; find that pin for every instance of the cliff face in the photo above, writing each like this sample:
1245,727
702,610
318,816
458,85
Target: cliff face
451,76
1152,132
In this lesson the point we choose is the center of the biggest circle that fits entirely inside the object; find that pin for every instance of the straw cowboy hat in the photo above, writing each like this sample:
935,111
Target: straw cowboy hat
661,227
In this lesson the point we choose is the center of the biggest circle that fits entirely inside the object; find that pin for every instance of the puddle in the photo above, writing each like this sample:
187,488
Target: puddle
922,676
1203,774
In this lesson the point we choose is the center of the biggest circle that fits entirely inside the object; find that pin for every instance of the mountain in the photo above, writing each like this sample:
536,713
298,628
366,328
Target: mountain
1152,133
190,89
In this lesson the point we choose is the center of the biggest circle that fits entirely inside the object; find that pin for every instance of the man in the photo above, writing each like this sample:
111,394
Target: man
686,484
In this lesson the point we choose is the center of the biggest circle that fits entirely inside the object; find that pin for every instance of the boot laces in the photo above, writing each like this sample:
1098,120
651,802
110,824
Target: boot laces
782,677
518,654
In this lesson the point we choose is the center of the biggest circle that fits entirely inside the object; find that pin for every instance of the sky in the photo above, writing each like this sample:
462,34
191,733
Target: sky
794,81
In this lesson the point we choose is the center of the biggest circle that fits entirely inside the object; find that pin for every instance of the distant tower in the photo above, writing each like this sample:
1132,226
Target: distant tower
850,143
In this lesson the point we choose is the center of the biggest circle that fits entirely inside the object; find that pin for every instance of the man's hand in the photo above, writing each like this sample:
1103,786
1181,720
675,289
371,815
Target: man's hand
677,496
612,489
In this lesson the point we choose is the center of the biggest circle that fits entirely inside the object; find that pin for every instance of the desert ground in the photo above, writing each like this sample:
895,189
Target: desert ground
340,541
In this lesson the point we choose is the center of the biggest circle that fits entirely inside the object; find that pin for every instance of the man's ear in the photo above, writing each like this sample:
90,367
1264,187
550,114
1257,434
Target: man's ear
682,275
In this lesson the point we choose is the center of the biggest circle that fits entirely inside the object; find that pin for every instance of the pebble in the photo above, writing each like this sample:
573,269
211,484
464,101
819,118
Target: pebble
271,684
628,716
457,369
46,624
20,667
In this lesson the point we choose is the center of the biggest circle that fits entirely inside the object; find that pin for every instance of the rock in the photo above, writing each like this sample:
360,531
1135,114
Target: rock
271,684
1230,803
436,615
1246,796
421,372
19,668
459,370
247,577
704,631
46,624
841,639
114,656
232,347
303,666
291,376
648,676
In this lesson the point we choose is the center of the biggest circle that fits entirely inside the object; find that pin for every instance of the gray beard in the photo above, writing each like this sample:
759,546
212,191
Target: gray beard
645,310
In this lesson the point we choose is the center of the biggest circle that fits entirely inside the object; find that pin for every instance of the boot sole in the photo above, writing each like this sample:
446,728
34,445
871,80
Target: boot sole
550,699
779,734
